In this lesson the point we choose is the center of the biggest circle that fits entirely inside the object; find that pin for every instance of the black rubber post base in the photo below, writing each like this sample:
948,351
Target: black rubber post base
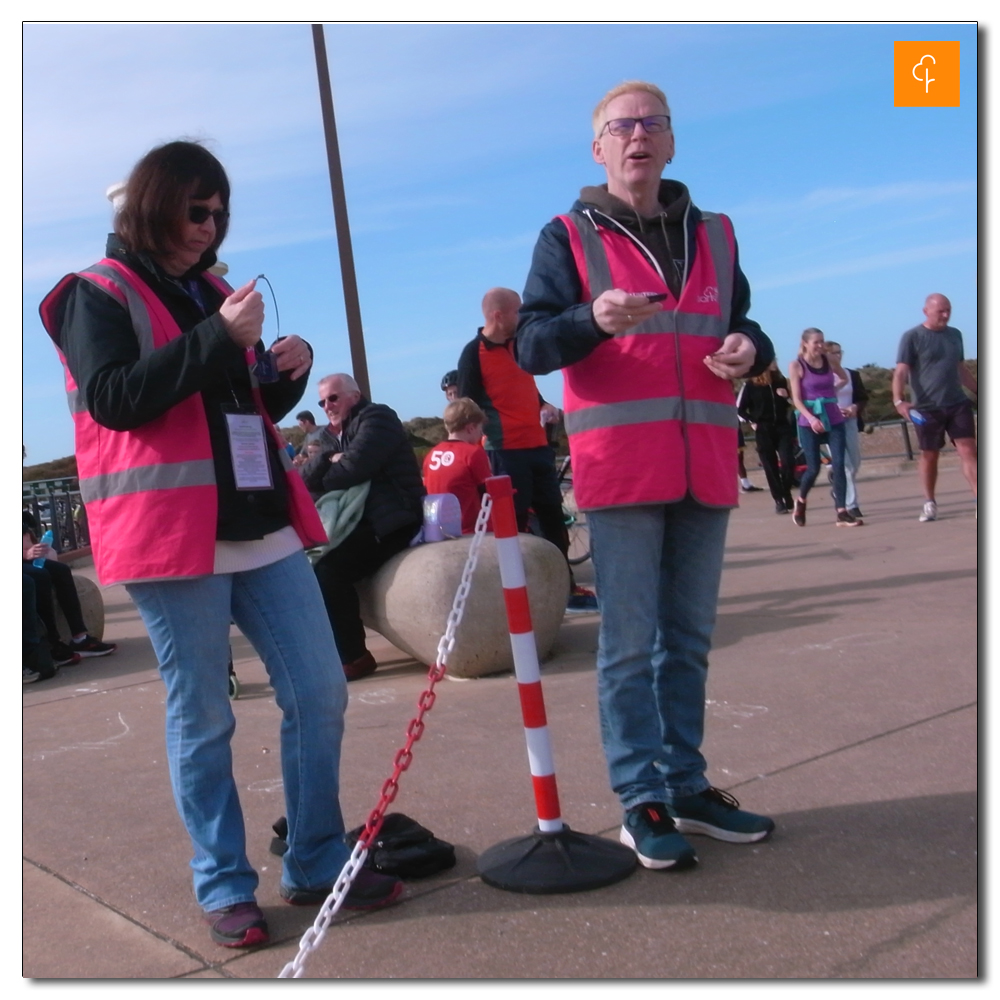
555,862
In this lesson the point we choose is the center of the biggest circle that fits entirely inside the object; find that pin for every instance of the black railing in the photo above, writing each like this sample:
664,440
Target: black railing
56,506
904,429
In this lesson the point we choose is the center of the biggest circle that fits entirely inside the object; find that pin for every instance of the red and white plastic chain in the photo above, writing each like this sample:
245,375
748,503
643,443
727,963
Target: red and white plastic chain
404,757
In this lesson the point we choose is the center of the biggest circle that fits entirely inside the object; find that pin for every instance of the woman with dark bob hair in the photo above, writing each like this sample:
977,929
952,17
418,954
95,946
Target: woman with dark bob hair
194,507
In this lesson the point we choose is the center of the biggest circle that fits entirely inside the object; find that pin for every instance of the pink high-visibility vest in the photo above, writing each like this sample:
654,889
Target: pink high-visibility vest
647,420
150,492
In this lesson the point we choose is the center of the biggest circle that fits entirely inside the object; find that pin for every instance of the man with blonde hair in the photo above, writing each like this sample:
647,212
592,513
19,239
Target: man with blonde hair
639,298
599,118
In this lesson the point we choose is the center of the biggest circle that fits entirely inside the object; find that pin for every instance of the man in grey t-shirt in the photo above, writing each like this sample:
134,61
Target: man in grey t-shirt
930,356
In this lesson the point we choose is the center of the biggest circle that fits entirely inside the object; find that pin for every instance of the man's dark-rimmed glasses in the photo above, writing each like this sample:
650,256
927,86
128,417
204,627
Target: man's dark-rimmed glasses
626,126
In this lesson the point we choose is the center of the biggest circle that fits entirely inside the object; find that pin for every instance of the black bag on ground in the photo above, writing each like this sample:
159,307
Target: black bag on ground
402,848
38,656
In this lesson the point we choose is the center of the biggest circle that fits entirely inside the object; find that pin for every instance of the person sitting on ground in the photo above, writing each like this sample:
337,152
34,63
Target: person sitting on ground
54,578
460,465
372,447
36,659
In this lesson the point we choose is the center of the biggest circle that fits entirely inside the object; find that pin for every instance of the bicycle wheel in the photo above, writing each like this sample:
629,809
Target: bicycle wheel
234,682
576,528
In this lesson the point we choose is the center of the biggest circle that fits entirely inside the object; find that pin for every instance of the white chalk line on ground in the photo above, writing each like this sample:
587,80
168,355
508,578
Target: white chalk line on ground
378,696
266,785
110,741
861,639
723,710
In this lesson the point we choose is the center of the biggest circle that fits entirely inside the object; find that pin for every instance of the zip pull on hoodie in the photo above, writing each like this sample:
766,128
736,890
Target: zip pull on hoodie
663,234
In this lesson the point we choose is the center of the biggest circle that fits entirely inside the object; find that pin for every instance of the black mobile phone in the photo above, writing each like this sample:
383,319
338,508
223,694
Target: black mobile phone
655,296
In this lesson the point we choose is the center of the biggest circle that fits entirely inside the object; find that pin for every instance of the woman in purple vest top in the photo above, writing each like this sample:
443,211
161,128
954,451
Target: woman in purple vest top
814,393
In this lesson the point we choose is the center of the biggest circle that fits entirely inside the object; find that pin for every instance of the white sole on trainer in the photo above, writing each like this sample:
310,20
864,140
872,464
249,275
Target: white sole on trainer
695,826
627,839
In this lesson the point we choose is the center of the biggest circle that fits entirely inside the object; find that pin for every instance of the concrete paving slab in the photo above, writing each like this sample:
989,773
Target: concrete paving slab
842,700
840,890
60,919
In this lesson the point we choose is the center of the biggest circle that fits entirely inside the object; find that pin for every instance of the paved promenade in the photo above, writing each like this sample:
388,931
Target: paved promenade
842,701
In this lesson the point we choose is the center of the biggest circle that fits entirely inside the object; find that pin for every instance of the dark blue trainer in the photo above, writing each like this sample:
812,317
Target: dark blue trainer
582,601
651,833
370,891
717,814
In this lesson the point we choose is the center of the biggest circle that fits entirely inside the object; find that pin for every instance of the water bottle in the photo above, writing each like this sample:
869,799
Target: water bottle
917,417
46,540
442,517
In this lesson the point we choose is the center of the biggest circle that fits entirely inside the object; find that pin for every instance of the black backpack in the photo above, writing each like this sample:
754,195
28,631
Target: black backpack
38,657
403,847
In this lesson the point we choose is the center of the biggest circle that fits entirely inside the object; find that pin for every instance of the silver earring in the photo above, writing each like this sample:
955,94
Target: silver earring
670,159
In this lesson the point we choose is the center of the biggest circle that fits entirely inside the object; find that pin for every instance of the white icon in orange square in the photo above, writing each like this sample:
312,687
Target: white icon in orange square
926,74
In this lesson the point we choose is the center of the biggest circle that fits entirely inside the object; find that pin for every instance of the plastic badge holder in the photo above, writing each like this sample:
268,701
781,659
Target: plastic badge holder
442,517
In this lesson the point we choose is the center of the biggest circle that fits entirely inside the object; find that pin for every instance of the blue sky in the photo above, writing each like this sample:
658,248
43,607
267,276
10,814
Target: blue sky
460,142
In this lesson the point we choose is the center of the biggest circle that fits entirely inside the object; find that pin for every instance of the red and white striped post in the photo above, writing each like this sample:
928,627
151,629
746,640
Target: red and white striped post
525,650
554,858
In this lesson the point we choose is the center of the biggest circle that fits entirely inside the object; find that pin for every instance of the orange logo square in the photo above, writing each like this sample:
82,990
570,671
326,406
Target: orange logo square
925,75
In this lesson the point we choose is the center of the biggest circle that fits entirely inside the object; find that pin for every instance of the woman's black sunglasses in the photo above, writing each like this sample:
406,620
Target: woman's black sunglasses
199,214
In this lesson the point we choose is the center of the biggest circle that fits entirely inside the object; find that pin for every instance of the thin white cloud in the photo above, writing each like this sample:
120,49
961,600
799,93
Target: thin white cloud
849,199
874,262
498,243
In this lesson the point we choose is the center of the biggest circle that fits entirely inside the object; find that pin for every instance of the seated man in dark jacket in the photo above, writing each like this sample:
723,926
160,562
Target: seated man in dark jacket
373,447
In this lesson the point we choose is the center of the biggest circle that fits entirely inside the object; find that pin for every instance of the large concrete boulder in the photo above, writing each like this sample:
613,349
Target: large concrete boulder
92,605
408,601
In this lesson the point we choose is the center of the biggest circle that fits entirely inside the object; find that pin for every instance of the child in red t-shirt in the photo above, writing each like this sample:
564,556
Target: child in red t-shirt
459,465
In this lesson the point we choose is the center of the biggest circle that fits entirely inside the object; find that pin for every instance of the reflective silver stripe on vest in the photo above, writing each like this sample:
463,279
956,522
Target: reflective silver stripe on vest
75,401
137,311
646,411
598,269
690,324
723,262
174,475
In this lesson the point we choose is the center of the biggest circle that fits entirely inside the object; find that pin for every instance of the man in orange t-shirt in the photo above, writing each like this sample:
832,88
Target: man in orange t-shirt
459,465
516,443
516,440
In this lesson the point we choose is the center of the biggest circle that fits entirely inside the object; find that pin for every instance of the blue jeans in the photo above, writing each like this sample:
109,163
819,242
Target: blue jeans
810,442
279,608
852,462
657,571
